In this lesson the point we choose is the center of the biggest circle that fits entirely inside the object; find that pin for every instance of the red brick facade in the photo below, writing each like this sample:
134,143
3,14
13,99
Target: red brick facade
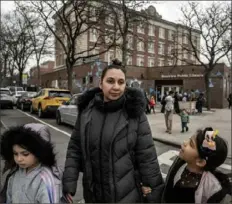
185,77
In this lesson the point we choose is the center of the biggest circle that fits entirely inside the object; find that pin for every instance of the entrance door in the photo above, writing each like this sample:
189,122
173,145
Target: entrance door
166,89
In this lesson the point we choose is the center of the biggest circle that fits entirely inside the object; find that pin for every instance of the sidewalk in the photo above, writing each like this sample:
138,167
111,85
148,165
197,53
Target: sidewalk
220,119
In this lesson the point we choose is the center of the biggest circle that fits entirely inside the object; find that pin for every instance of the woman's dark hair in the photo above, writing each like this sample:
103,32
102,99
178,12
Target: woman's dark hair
30,140
116,64
214,158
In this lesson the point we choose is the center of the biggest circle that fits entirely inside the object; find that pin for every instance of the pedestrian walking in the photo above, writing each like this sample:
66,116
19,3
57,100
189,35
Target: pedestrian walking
112,144
168,115
229,99
33,175
200,102
193,177
184,120
176,103
152,104
163,103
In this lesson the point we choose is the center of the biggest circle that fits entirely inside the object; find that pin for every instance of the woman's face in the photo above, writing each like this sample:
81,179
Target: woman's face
113,84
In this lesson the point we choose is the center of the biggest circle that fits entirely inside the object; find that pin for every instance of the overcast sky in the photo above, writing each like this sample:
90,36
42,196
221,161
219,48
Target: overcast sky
169,10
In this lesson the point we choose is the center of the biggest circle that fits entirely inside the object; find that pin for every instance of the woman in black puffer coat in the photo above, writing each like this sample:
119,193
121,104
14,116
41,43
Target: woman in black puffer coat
112,144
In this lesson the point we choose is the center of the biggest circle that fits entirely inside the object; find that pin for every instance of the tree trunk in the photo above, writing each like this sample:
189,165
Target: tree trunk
20,78
208,91
38,73
124,51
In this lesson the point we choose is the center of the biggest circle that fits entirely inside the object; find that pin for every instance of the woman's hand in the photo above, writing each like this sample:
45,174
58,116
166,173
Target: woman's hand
146,190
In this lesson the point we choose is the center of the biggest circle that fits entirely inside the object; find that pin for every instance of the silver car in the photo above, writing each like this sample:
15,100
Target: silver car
67,112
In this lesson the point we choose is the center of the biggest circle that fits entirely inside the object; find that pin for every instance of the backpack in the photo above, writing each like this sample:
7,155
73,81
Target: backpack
54,180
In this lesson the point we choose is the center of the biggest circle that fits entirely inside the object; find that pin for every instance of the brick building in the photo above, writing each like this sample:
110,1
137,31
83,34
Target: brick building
160,79
45,67
150,60
151,45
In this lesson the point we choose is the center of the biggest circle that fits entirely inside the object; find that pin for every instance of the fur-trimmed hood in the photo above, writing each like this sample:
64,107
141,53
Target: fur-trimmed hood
134,105
34,137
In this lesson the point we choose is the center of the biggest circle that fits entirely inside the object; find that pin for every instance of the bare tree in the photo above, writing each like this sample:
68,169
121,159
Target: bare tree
19,42
72,21
127,14
214,23
38,32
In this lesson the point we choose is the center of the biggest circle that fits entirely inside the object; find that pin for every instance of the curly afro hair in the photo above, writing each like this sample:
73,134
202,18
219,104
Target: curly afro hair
30,140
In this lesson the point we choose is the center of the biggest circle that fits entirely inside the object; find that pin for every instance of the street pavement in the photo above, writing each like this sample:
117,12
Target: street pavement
60,137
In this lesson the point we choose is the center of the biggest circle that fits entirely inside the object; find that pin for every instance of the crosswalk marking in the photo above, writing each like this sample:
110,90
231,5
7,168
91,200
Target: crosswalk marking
166,157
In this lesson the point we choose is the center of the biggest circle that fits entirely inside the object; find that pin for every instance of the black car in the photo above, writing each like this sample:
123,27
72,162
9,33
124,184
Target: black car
24,101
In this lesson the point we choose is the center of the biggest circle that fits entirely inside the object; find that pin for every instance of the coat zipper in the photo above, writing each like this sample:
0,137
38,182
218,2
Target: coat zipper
100,158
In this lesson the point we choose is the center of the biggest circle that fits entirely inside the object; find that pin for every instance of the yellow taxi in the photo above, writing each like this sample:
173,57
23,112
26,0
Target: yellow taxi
48,100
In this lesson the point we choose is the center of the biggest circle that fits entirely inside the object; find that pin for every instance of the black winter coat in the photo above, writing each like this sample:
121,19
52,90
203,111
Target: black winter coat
132,155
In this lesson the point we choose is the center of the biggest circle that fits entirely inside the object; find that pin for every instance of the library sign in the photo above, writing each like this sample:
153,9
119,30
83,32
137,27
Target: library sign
181,75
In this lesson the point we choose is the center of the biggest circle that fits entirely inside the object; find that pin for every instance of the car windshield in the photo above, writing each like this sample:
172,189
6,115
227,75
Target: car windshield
4,92
31,94
21,93
19,89
64,94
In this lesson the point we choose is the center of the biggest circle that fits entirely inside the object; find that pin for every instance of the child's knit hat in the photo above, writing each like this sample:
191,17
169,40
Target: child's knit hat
211,147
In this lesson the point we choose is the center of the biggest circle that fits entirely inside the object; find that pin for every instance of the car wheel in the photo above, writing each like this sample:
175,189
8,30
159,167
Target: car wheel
58,118
40,112
31,109
12,107
22,107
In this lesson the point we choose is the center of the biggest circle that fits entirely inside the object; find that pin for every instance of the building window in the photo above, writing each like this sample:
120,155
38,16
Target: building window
192,57
130,42
151,62
119,54
161,62
140,45
185,39
129,60
109,56
162,33
170,49
161,48
140,29
109,20
171,35
151,47
140,61
151,30
185,54
170,62
93,35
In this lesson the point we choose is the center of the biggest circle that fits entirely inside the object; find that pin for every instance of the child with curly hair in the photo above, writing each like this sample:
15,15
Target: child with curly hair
34,176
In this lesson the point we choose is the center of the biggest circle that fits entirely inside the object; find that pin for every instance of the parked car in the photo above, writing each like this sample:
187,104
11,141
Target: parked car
17,95
48,100
67,112
6,100
24,101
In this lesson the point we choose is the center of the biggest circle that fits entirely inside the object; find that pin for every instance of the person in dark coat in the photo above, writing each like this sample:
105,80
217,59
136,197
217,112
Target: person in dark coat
112,144
176,103
163,103
200,103
229,99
